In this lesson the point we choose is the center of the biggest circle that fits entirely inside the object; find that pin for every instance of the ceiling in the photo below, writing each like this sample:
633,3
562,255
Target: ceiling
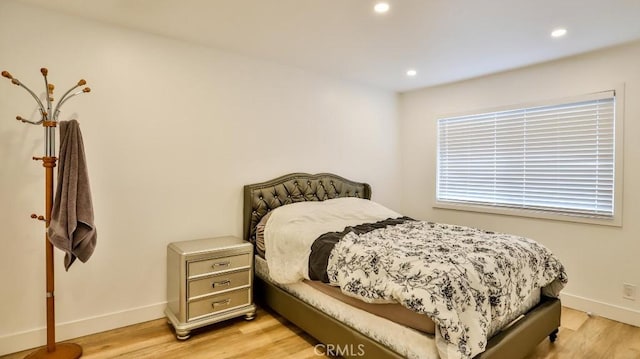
443,40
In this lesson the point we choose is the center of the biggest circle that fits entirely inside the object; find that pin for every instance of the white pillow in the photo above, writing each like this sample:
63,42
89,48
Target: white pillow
293,228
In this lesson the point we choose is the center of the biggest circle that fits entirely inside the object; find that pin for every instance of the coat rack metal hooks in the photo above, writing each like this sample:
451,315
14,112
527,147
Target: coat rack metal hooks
49,122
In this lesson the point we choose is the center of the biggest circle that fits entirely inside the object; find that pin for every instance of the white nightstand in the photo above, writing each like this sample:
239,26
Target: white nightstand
208,281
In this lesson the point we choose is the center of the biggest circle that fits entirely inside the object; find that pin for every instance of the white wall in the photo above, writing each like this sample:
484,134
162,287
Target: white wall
598,258
172,132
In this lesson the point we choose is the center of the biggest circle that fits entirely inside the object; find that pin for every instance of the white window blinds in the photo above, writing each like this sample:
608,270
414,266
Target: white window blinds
556,158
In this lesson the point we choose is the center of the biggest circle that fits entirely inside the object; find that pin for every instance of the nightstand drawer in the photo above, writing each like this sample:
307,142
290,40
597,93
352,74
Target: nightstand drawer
219,264
219,303
219,283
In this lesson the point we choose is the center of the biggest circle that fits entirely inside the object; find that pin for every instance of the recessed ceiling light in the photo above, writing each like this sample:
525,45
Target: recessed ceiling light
381,7
412,72
559,32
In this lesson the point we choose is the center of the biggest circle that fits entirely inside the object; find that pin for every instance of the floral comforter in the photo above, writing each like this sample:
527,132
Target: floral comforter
469,281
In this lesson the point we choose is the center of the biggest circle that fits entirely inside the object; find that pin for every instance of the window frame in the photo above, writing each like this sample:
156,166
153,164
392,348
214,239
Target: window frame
615,220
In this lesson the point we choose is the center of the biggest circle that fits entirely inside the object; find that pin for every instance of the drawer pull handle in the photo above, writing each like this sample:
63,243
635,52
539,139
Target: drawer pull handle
221,264
225,282
221,302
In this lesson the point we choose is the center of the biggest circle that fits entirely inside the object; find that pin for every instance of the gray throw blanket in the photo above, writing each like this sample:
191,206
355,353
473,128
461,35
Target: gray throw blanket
71,229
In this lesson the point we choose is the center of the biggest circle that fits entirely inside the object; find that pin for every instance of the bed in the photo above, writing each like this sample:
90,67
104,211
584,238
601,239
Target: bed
519,338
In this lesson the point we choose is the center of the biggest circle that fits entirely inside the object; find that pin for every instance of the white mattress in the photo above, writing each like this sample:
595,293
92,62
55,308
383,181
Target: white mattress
405,341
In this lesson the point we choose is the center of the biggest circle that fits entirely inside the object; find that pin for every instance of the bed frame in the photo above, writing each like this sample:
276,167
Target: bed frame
512,343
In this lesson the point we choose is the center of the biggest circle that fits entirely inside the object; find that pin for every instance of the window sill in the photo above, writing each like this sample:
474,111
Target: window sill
616,221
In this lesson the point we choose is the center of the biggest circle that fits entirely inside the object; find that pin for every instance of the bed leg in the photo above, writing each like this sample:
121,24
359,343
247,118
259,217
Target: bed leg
553,336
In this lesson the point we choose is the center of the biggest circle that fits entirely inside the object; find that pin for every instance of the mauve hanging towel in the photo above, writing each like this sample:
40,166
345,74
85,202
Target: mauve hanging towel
71,228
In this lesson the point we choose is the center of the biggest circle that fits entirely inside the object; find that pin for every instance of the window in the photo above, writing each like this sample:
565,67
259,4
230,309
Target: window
550,159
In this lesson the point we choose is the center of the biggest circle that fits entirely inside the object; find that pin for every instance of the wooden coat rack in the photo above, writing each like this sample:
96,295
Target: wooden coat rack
49,120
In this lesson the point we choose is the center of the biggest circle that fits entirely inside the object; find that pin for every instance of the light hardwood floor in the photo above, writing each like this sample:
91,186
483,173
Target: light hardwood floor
268,336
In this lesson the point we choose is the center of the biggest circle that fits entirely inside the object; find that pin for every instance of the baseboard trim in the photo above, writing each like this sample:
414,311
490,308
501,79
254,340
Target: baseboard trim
610,311
38,337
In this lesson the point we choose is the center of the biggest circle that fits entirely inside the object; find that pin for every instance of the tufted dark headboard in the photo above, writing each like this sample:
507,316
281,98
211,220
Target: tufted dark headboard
259,198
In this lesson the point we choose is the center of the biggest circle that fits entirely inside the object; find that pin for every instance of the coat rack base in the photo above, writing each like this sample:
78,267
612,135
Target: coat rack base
63,351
